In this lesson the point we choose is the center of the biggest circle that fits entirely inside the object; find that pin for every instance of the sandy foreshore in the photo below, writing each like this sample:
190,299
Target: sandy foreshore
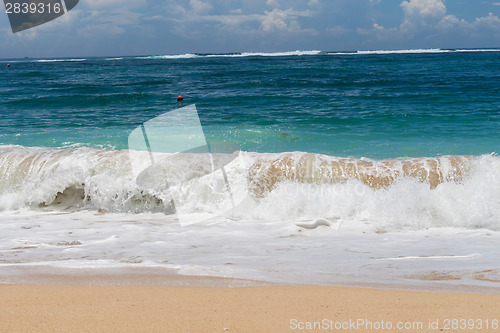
36,308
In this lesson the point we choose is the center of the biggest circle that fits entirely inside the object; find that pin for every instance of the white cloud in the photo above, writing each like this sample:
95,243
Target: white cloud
418,9
284,20
422,14
275,20
429,19
450,22
490,20
200,7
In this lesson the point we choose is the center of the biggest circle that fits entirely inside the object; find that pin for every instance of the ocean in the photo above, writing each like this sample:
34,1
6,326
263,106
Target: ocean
335,168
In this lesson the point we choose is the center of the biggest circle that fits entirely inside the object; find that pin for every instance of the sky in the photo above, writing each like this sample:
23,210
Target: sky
160,27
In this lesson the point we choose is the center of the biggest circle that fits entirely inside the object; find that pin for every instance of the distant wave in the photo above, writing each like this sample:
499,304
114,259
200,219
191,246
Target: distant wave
58,60
413,51
310,53
178,56
274,54
232,55
413,193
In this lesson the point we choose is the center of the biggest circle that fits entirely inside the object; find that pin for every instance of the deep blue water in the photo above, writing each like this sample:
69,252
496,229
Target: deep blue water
372,105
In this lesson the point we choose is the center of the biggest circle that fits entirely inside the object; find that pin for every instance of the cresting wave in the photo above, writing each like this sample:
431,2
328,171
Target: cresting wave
445,191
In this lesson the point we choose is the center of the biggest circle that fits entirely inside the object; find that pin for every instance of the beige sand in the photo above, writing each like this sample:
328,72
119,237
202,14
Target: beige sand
252,309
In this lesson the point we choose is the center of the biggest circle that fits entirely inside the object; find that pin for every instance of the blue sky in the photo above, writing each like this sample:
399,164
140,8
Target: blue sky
145,27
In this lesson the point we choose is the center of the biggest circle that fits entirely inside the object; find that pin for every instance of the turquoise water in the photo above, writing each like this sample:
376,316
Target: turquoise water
389,105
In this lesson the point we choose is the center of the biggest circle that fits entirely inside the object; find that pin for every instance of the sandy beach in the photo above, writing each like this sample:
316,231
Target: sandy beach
30,308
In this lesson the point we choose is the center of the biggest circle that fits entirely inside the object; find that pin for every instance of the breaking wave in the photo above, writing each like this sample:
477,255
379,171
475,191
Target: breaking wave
458,191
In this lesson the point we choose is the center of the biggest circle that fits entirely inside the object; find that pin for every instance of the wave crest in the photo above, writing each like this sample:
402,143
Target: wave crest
322,169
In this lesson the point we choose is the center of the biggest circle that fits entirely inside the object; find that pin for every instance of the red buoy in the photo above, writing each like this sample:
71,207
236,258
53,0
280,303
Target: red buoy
180,98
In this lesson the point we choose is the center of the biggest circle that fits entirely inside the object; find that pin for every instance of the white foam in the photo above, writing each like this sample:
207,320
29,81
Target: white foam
254,249
467,256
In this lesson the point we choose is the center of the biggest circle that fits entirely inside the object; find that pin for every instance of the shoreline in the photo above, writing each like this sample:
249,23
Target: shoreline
129,276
